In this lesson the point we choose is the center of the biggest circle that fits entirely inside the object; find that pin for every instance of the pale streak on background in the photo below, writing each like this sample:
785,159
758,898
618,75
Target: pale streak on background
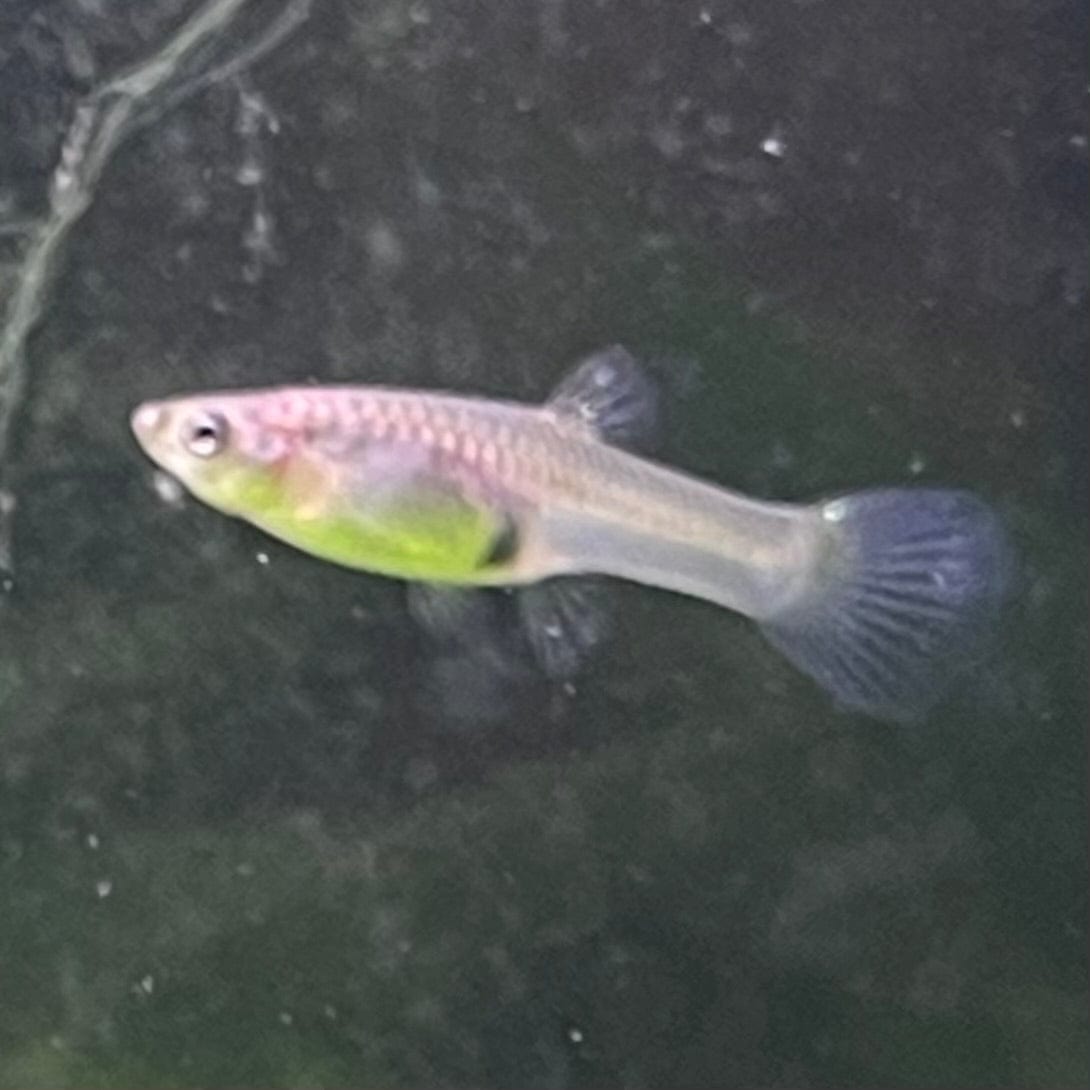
102,120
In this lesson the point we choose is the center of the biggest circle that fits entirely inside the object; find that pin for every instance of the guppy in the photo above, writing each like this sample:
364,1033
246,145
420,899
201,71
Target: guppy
881,596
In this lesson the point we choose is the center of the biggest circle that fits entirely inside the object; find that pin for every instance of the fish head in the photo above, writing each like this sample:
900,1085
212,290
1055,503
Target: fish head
217,447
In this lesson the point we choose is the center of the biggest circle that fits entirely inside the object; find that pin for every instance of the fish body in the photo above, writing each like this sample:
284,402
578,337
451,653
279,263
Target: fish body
467,491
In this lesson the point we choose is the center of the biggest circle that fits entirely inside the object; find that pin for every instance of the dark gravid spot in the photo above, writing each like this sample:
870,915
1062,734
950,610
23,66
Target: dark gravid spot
503,547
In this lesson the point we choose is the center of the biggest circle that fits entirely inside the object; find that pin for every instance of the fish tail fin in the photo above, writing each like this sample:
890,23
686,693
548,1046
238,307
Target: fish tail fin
903,598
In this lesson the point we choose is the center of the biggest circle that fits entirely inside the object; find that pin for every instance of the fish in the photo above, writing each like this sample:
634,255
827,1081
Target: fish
882,596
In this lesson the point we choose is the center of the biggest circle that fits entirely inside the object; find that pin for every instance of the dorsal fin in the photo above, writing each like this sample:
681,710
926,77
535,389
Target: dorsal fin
609,394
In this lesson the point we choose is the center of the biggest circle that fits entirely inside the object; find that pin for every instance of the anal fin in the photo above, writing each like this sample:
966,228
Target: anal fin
557,623
563,620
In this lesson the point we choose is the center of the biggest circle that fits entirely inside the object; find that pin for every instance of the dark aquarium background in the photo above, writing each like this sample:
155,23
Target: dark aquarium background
258,825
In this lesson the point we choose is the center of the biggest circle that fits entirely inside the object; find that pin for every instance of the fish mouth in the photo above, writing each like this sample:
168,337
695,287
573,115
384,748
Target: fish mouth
147,422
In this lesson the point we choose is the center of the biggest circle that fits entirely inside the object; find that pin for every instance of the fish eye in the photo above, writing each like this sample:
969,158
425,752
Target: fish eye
205,434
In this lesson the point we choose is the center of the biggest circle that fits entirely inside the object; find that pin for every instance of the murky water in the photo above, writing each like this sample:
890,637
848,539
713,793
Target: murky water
258,828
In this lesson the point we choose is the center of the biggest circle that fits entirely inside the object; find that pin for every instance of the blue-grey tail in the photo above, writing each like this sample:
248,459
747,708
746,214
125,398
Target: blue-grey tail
904,601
